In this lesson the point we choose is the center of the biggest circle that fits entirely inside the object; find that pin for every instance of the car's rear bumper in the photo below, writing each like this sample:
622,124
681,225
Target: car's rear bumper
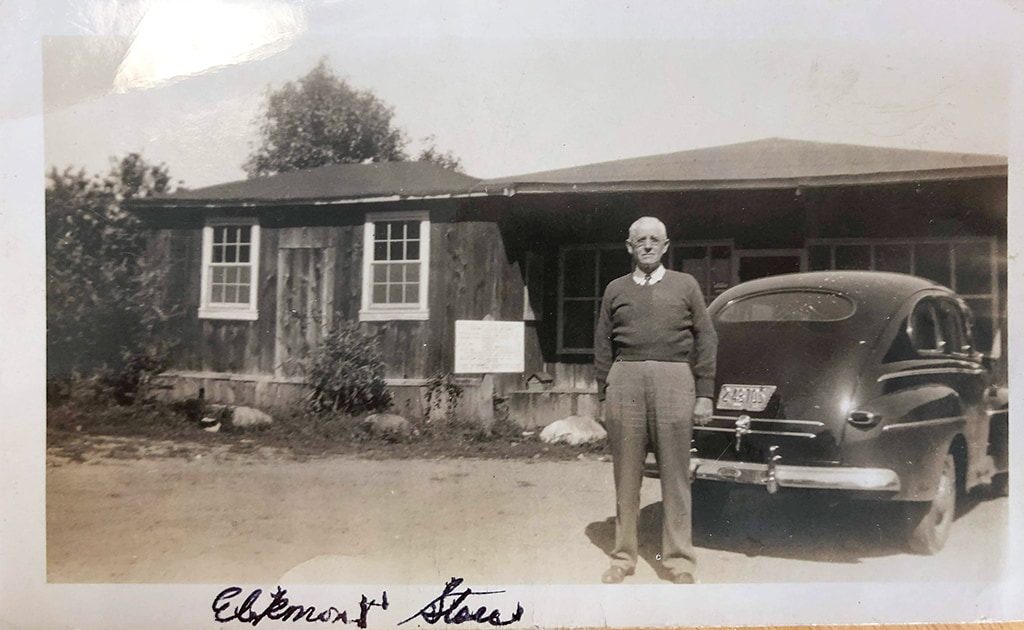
790,476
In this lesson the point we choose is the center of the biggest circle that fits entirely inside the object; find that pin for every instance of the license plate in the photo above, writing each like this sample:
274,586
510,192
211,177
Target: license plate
745,397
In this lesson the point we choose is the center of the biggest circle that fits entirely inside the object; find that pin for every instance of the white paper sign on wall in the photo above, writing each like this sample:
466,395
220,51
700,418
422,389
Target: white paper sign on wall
487,347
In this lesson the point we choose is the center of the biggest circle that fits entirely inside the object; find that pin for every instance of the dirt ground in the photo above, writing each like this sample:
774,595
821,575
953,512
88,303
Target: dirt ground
221,517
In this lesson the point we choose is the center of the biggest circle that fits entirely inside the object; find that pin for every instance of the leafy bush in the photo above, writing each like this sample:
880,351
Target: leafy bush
346,373
103,308
441,397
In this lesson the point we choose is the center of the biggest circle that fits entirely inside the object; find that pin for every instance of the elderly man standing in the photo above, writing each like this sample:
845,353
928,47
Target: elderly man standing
654,357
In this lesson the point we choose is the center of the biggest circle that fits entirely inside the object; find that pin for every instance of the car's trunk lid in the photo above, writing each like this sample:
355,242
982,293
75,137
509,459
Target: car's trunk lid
814,372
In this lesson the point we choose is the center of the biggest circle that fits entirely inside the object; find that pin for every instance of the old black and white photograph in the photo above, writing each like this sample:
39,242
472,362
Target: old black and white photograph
528,314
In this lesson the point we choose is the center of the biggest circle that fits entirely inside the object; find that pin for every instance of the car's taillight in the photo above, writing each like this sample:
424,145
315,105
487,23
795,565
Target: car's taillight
863,419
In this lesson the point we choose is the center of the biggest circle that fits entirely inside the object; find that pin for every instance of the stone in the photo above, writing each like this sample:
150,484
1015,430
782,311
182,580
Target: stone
388,424
249,417
573,430
210,424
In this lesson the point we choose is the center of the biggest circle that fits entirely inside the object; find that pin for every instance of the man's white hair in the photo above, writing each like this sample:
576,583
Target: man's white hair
636,225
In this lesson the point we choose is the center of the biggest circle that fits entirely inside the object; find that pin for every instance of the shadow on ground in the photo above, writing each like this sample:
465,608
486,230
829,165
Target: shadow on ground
796,526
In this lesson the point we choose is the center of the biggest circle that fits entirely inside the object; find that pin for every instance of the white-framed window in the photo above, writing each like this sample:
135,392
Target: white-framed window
396,264
230,272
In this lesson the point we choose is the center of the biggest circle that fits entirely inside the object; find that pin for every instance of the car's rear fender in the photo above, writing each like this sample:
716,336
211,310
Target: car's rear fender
913,431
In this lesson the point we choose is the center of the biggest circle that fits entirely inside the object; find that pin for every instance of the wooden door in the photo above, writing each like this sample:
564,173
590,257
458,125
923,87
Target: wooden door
305,303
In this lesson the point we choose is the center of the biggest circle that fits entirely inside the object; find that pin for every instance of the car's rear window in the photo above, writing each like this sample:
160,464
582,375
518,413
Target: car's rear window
788,306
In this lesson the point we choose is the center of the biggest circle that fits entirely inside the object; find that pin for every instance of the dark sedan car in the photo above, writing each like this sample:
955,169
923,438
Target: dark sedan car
852,381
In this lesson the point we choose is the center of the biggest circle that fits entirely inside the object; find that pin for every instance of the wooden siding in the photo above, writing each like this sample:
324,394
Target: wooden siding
305,309
479,248
244,347
472,276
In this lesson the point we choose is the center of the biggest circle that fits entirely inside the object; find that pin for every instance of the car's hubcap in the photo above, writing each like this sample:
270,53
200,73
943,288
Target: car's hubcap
945,500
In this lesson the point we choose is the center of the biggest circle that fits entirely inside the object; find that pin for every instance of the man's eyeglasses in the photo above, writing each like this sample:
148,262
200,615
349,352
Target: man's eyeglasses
647,240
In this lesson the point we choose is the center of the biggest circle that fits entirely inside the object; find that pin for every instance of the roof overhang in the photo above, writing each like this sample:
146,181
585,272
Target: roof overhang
509,188
155,203
498,188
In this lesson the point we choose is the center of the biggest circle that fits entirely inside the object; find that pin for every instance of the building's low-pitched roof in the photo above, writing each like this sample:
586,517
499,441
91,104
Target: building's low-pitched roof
334,182
760,163
768,163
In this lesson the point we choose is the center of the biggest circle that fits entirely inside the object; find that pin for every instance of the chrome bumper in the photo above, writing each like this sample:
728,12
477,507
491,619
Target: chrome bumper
789,476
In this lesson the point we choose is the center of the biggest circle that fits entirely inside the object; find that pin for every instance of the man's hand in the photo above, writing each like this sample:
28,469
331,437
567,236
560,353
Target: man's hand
702,411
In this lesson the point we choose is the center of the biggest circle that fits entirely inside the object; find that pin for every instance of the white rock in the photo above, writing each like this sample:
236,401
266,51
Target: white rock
385,423
573,430
249,417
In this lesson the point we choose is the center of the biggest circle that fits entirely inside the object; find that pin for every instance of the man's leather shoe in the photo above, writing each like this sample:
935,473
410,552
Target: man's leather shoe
683,578
614,575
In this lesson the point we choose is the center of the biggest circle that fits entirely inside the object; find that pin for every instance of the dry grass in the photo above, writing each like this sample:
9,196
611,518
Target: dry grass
79,430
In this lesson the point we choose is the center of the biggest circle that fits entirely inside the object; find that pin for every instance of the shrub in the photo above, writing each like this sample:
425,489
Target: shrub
441,397
346,373
103,309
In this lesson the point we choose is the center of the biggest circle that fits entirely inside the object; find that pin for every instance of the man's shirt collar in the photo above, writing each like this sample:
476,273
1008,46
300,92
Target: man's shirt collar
656,275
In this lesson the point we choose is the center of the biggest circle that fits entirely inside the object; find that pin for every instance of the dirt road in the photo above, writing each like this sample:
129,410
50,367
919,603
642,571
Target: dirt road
347,520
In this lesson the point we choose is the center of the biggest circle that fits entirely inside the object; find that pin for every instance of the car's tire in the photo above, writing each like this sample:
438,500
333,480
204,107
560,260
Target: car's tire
710,498
929,523
1001,484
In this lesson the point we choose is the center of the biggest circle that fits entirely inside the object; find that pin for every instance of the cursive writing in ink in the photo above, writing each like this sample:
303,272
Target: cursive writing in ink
448,607
279,608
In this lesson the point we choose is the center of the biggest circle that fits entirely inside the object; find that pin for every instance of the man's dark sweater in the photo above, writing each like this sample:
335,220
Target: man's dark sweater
664,321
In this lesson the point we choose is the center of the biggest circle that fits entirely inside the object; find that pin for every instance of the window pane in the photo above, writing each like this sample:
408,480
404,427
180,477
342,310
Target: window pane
981,330
380,293
788,306
689,253
230,253
218,253
217,293
412,230
853,257
412,272
578,324
231,293
932,262
412,250
380,231
819,258
412,293
949,320
243,294
614,263
244,274
721,275
219,234
923,328
231,275
578,273
243,254
380,273
698,268
380,251
218,275
243,234
395,251
394,294
892,258
973,268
